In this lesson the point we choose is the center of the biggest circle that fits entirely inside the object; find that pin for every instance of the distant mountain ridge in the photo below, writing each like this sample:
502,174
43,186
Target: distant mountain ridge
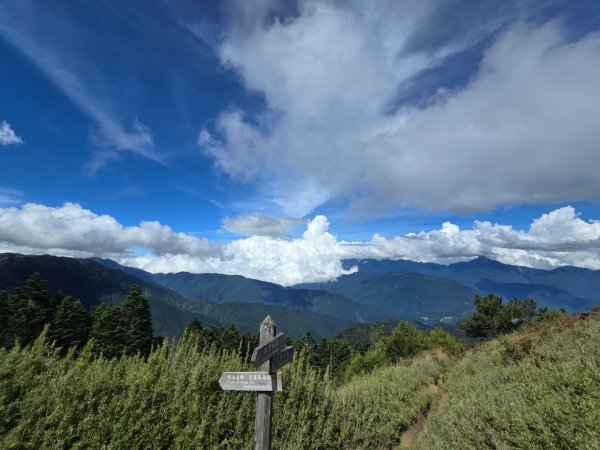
428,293
92,282
421,292
409,296
572,288
222,289
227,289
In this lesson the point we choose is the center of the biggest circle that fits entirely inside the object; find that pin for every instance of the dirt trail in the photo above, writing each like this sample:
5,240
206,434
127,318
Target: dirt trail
415,436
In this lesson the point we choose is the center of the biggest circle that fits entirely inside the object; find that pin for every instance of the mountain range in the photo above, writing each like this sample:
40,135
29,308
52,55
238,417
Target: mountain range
568,287
426,293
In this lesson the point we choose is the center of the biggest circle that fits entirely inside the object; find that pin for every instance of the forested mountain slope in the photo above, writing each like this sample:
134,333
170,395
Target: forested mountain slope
94,283
571,288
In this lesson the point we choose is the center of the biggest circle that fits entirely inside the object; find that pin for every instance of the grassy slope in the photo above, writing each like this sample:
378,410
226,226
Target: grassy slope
539,388
535,389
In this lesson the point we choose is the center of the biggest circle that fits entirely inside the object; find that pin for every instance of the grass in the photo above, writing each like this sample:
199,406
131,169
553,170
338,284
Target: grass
535,389
539,388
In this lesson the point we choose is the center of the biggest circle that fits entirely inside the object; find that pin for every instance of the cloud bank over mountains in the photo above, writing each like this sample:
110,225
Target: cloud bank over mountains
554,239
335,77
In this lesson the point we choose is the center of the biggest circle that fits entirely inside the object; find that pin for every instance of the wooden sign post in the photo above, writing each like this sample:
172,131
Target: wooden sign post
264,400
268,357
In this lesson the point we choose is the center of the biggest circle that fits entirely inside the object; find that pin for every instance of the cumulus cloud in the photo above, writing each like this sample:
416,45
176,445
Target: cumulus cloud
557,238
74,231
521,130
313,257
257,224
7,135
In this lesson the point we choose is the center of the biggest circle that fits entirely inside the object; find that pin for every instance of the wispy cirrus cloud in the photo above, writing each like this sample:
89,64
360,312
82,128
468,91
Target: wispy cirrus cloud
8,135
48,44
10,196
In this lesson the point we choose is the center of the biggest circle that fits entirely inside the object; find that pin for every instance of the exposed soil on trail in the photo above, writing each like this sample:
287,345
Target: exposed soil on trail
415,436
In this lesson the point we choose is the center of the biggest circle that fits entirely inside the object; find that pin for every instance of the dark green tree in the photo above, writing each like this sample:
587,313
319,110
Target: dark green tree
209,336
5,332
489,320
249,342
31,308
70,325
107,332
520,311
333,353
406,340
230,338
137,322
494,318
193,328
307,345
440,338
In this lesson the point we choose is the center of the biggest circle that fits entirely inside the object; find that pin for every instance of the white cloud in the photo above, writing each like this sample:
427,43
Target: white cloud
317,255
313,257
257,224
74,231
7,135
558,238
522,130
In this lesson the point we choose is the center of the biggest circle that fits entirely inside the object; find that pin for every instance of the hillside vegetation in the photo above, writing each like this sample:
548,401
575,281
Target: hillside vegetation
535,388
93,283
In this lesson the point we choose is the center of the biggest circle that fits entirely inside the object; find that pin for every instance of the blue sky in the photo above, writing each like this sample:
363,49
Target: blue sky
231,125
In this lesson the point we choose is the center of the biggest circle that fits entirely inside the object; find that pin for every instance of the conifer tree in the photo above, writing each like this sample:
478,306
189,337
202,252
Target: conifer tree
193,328
107,331
5,335
137,322
70,325
230,339
493,318
31,308
308,345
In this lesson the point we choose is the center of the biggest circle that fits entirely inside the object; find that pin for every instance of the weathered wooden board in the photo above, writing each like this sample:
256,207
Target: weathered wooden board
282,358
264,352
251,381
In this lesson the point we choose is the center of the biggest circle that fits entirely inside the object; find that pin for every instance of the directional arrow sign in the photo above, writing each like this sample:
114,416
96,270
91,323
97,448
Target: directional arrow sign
263,352
282,358
251,381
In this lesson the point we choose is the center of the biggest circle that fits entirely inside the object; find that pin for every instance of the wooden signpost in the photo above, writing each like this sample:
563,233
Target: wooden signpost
268,357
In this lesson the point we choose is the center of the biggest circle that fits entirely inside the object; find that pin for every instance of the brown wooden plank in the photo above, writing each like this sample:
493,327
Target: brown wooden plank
281,359
264,352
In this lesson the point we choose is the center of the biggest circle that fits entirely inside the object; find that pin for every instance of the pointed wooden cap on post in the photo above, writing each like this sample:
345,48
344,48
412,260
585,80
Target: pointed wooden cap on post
267,330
